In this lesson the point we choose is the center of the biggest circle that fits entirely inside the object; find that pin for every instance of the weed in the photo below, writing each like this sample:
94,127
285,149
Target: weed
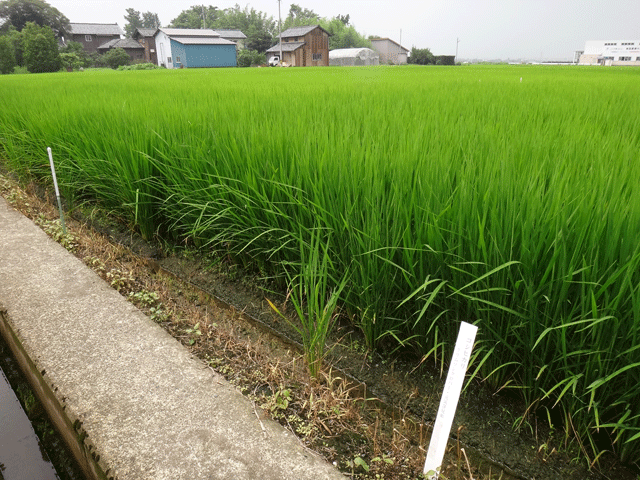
193,333
120,280
95,264
54,229
144,298
158,314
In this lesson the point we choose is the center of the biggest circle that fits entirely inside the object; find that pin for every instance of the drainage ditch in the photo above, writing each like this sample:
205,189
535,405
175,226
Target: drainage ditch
30,447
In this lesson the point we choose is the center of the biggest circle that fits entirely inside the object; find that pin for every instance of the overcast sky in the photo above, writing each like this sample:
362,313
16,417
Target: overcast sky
487,29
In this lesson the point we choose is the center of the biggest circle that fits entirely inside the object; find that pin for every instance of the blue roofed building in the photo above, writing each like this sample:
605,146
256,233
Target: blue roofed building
194,48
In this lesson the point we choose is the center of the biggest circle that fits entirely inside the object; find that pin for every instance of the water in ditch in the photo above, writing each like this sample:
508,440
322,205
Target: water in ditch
30,448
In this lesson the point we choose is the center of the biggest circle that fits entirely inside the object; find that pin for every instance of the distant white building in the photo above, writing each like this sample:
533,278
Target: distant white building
390,51
611,52
352,57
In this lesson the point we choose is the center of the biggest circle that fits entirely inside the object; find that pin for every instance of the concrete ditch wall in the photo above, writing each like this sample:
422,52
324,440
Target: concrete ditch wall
133,400
70,428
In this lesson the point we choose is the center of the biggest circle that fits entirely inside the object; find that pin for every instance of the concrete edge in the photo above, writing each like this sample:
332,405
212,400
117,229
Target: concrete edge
70,428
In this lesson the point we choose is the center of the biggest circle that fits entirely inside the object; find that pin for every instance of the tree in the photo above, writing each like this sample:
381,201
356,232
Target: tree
248,58
70,61
300,17
150,20
116,57
196,17
257,26
76,48
15,37
343,36
344,19
258,39
421,56
7,55
133,21
20,12
40,49
259,29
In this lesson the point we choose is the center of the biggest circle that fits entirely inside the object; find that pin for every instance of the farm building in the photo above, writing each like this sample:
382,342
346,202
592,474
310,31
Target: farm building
146,38
236,36
92,35
390,52
303,46
611,52
182,48
445,59
350,57
129,45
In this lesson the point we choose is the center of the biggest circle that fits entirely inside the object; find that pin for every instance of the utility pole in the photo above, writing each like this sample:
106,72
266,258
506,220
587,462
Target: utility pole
204,19
456,59
280,31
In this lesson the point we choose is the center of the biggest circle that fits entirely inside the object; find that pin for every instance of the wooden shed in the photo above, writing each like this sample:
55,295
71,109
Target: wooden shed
303,46
146,38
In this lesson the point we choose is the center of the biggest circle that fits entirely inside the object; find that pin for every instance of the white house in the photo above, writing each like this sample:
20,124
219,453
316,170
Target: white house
611,52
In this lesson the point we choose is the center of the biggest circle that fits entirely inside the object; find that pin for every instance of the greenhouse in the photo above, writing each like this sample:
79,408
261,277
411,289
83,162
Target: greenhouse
349,57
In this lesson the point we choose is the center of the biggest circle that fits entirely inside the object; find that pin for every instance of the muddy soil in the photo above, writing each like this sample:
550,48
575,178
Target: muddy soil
388,432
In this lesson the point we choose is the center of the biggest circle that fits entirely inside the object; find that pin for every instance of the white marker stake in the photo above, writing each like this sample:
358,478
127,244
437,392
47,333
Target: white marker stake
55,184
450,397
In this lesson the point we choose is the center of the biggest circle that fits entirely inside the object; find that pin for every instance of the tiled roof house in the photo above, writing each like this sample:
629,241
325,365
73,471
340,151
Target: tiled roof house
235,36
129,45
146,38
92,35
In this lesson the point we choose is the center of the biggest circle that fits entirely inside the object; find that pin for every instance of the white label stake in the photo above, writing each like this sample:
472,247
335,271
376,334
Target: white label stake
449,400
55,184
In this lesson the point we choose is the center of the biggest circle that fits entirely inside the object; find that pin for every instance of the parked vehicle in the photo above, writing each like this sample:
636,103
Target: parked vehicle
274,61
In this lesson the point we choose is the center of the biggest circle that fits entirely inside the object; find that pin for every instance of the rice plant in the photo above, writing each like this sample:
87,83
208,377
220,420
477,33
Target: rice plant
314,295
446,194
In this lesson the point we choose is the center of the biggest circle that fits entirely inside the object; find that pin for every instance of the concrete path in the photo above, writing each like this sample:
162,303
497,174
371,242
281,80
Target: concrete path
145,407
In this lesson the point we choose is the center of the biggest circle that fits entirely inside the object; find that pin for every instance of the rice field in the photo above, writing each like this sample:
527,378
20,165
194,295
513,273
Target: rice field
505,196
